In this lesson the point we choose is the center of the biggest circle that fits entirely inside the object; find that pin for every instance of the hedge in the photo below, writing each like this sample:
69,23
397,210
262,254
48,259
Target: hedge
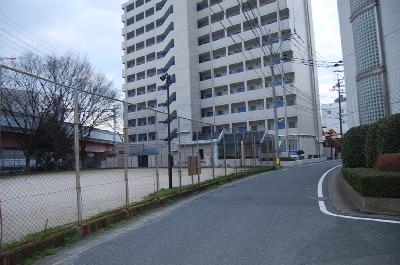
373,183
353,147
388,135
371,154
362,145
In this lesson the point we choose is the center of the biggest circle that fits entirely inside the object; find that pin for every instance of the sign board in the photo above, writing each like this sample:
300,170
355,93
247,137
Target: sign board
194,165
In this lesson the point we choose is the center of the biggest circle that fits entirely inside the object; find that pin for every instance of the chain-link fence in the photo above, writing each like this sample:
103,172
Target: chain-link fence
94,154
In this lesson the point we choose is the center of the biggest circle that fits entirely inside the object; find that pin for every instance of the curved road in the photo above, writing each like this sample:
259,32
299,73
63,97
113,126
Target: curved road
272,218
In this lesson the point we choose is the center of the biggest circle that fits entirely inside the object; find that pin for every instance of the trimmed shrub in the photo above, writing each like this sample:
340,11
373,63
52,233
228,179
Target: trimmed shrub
373,183
371,154
388,162
288,159
353,147
388,135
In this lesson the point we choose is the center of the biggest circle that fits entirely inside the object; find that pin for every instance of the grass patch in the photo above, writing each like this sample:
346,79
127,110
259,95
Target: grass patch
35,236
373,183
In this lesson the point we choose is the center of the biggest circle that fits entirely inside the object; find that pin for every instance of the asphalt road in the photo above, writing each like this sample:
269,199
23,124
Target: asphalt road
271,218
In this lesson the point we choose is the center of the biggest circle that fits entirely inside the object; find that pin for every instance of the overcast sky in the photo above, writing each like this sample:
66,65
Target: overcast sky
93,28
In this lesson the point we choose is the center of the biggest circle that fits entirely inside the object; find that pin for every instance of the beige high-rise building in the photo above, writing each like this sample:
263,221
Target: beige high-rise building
218,54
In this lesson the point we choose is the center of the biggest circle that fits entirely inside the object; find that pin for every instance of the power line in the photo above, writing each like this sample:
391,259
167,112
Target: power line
27,44
15,46
280,70
90,93
27,33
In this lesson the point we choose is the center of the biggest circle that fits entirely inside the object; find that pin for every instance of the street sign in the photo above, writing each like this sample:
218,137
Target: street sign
194,165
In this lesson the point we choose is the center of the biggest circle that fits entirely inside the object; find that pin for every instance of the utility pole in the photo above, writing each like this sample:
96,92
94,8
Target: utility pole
338,87
271,66
167,78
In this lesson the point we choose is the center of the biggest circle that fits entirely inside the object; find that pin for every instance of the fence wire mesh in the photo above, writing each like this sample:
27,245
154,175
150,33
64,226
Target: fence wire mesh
108,155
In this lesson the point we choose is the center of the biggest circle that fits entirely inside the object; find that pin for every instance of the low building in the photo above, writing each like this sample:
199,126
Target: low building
101,149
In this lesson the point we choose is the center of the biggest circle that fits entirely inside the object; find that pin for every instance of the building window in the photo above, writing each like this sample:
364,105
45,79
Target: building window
132,138
142,137
152,136
132,123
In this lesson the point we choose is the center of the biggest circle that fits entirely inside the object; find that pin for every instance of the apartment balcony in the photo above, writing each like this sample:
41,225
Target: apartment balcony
254,84
207,112
220,72
204,57
235,48
219,53
203,22
252,44
257,126
238,107
237,88
233,30
218,35
207,93
236,68
232,11
204,39
253,64
251,24
255,105
221,91
222,110
205,75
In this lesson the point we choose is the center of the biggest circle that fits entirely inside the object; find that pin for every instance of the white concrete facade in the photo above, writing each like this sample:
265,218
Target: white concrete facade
214,82
370,37
330,116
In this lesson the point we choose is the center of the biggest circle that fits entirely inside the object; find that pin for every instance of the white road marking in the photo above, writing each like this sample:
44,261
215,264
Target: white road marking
320,195
323,208
315,163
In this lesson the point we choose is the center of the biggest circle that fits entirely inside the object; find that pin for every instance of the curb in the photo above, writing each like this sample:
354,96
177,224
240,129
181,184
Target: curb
372,205
19,254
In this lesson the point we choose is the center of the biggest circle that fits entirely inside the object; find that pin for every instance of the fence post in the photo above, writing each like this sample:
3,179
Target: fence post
198,157
179,156
254,151
192,156
212,152
157,159
126,154
1,228
234,141
77,162
224,153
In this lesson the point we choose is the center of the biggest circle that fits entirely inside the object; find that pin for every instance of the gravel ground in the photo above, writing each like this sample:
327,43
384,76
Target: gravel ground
32,203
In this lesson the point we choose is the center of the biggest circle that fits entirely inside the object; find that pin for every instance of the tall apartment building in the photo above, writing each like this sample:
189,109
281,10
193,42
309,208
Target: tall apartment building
370,43
218,53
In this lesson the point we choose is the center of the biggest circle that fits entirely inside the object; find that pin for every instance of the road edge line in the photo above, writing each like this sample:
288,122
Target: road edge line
323,209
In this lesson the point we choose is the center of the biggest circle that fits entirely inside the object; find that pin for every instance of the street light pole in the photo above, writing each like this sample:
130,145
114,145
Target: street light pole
167,78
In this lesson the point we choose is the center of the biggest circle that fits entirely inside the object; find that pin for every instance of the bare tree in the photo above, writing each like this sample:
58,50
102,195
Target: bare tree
22,103
29,103
96,109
